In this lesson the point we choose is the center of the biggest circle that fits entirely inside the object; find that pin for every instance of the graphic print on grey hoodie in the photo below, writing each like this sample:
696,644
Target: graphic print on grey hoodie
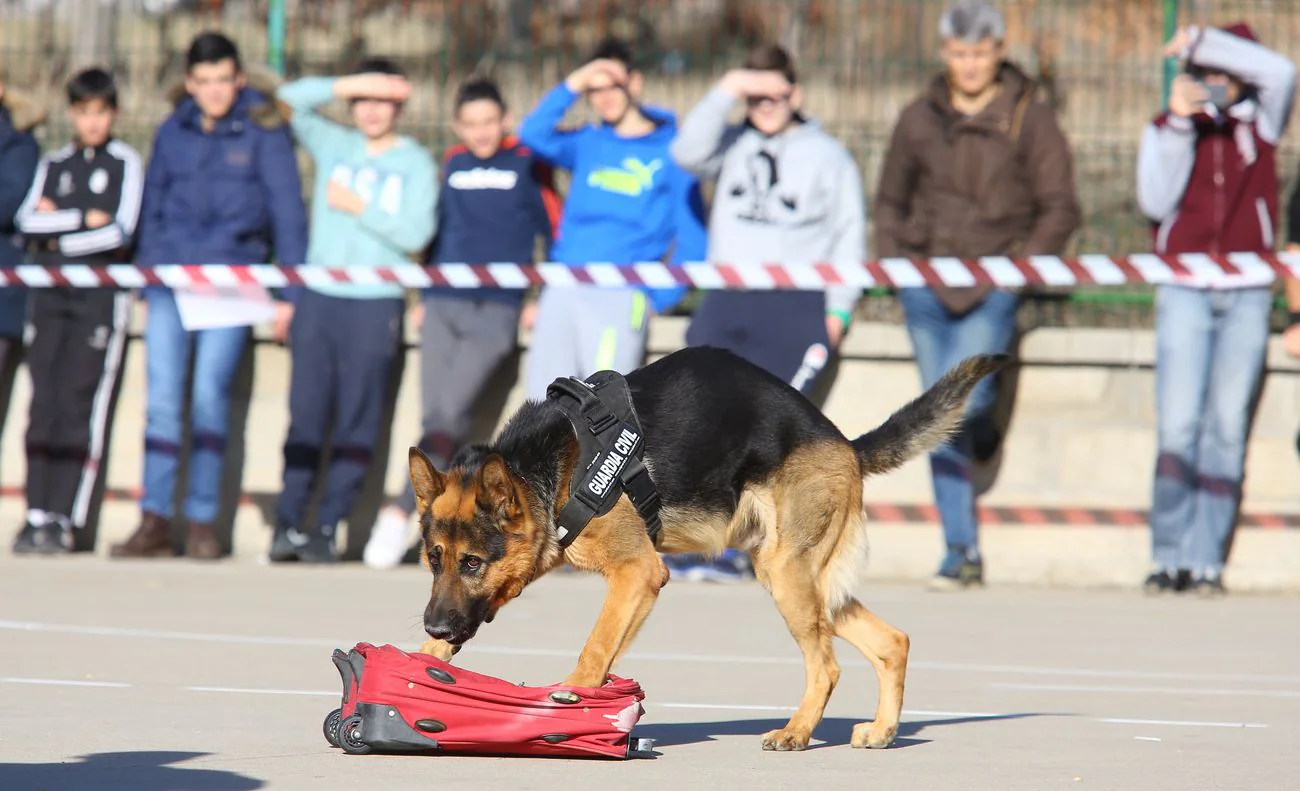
793,198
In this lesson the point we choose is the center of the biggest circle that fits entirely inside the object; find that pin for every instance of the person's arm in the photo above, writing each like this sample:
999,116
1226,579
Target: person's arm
894,189
278,168
304,96
1272,74
704,135
1166,156
1051,175
690,225
121,227
408,220
24,211
152,200
850,232
545,203
540,129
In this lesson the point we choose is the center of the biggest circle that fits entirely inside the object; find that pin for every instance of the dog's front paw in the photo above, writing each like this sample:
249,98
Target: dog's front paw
786,740
876,735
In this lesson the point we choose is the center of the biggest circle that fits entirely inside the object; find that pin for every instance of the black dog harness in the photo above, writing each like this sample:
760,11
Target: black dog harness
610,447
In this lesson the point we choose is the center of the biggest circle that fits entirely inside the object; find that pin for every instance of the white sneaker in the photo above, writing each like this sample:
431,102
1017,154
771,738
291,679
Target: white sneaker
387,544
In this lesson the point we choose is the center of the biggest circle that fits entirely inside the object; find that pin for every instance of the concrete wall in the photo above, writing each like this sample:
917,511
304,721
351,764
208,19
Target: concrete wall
1081,431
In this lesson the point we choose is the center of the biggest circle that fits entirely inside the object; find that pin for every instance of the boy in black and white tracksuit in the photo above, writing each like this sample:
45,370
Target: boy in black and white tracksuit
82,208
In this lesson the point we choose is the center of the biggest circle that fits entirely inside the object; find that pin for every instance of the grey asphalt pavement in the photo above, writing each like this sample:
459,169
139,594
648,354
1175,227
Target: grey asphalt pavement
176,676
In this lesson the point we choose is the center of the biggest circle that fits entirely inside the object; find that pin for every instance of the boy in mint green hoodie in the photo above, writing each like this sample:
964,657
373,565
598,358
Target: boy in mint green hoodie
373,204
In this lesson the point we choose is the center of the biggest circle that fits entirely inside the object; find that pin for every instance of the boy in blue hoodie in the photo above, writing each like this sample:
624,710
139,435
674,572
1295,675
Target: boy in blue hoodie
373,205
628,202
496,200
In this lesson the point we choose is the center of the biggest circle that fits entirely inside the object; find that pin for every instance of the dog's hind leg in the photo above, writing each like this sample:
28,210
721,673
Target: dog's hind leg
793,588
886,648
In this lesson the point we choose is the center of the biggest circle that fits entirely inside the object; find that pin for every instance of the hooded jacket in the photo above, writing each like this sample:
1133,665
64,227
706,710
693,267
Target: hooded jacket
793,198
19,156
628,201
231,196
1209,182
998,183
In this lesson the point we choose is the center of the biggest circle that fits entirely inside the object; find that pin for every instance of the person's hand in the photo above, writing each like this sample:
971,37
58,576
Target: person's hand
580,80
342,198
416,315
744,83
388,87
1186,96
282,321
834,329
97,219
45,204
1291,340
1177,46
528,316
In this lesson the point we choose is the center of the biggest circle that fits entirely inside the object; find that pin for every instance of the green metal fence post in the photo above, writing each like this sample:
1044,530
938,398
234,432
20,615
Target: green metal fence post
275,34
1171,64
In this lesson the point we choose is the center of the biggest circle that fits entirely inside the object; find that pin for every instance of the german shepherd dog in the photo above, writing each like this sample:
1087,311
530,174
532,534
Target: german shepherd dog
740,459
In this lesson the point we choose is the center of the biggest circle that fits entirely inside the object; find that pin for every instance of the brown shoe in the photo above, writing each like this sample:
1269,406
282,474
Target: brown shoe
152,539
201,542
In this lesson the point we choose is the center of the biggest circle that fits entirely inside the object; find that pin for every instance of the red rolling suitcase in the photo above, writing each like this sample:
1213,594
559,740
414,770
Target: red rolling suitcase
399,702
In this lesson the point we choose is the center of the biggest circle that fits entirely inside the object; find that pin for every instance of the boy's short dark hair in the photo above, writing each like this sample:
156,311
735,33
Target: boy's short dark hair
771,57
477,89
378,65
90,84
614,48
211,47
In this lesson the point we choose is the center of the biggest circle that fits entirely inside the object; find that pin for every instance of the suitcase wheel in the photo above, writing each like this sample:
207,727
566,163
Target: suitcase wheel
350,736
331,727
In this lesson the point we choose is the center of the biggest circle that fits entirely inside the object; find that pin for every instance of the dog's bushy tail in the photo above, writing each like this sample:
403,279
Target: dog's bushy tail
928,420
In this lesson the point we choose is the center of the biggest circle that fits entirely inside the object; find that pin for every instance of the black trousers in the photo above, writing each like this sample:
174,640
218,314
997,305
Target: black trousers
75,362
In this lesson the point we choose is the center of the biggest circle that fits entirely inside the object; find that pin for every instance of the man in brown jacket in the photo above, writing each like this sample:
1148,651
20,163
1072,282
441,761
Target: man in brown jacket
976,167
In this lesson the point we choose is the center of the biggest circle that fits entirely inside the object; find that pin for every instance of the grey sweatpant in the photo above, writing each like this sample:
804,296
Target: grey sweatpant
584,329
462,342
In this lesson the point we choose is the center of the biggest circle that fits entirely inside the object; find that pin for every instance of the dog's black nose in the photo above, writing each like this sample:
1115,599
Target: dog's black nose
439,631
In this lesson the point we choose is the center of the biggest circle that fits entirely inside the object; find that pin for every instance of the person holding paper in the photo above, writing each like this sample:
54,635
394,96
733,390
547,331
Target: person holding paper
221,187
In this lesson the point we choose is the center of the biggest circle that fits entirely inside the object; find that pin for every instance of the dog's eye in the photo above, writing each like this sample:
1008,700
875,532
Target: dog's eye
471,563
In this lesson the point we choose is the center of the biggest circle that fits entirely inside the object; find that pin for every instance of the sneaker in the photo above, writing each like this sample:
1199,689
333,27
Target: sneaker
319,548
697,568
51,538
285,544
1165,581
959,569
1208,587
387,546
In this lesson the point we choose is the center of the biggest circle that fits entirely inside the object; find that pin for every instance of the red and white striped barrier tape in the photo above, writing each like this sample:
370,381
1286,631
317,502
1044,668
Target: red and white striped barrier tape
1100,270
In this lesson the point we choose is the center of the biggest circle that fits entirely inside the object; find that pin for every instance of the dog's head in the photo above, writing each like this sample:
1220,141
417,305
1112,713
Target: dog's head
479,542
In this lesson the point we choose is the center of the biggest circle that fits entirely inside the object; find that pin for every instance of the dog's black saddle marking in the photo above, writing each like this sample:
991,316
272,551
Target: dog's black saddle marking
610,447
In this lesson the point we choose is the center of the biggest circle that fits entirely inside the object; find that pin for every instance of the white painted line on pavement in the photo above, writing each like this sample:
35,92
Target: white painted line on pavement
649,704
1258,693
250,691
1188,723
649,656
59,682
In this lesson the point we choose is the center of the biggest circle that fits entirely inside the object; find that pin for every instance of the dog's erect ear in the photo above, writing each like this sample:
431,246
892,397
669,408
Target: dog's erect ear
427,482
497,487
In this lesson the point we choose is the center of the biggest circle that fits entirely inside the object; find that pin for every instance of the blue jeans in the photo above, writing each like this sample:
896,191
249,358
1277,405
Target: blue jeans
941,340
168,350
1210,348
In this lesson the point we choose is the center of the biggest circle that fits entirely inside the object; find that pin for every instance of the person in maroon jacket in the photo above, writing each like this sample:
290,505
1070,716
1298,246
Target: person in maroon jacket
1208,182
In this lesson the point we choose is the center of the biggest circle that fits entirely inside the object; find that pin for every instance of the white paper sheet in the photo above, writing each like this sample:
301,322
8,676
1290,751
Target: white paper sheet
234,306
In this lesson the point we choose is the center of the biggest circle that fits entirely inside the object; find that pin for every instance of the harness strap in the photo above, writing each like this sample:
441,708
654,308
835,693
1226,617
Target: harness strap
610,448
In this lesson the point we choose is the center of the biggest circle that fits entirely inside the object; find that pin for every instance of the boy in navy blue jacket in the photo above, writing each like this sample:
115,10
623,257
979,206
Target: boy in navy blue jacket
221,187
496,199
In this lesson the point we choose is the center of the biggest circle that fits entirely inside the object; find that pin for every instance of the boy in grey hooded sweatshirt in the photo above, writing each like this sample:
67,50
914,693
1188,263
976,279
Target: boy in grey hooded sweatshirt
788,192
